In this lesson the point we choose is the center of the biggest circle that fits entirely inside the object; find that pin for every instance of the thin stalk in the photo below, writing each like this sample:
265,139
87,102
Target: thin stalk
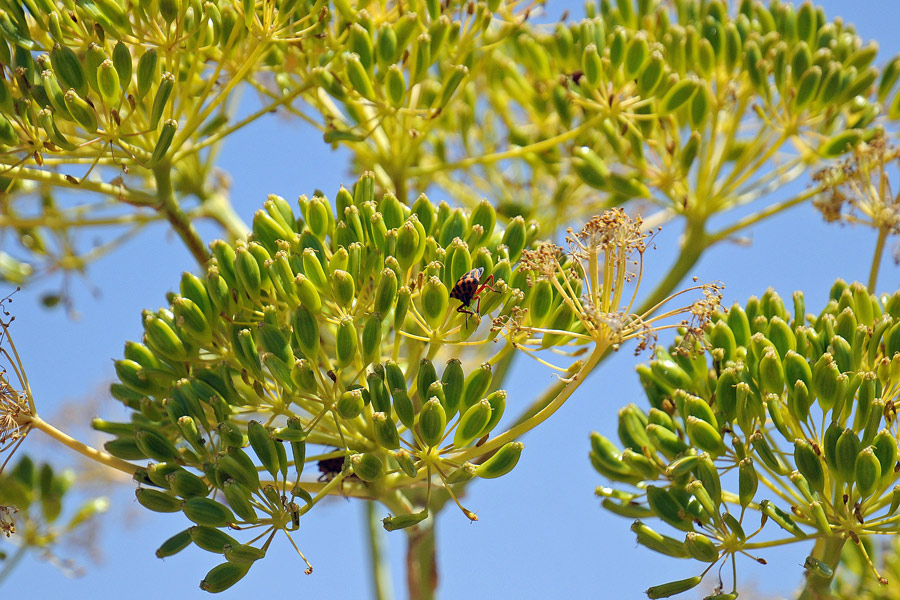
10,563
828,550
381,569
82,448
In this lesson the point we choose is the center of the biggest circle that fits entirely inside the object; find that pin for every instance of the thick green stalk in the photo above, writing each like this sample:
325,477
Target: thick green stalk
876,258
381,568
421,563
168,205
828,550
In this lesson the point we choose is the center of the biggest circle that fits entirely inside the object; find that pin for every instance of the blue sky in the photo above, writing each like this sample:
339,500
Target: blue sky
541,531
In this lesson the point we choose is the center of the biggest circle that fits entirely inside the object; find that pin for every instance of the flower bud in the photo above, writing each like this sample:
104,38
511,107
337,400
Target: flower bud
367,466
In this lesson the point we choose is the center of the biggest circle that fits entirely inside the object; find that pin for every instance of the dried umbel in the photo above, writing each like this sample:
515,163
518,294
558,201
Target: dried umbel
801,409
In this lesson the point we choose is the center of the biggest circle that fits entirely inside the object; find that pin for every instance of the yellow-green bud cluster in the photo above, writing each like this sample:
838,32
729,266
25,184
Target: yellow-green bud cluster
293,336
797,405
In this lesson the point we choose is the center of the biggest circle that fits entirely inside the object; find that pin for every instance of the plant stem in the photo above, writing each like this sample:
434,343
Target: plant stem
381,571
828,550
9,565
170,207
876,259
82,448
421,564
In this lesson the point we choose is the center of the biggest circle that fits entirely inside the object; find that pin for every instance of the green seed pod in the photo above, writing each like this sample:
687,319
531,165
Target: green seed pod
147,72
435,301
514,238
346,343
385,431
825,374
497,400
771,373
705,436
108,83
472,423
121,59
476,385
358,77
361,44
404,521
432,422
367,466
81,111
69,69
665,440
403,407
405,460
781,518
385,292
840,143
263,446
343,288
895,500
238,498
221,577
170,126
243,554
845,452
403,298
868,472
502,462
157,501
174,544
306,330
886,450
668,508
371,339
163,92
639,464
211,539
307,294
671,588
809,464
186,484
701,547
453,380
657,542
237,465
155,445
677,95
303,376
207,512
747,482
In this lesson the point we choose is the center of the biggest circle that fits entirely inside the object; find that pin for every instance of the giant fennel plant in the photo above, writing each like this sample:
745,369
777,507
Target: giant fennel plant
370,334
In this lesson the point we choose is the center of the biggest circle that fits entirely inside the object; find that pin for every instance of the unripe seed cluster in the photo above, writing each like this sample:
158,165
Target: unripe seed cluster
796,406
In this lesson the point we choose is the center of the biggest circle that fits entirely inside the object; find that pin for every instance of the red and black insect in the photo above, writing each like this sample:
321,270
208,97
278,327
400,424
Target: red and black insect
468,288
